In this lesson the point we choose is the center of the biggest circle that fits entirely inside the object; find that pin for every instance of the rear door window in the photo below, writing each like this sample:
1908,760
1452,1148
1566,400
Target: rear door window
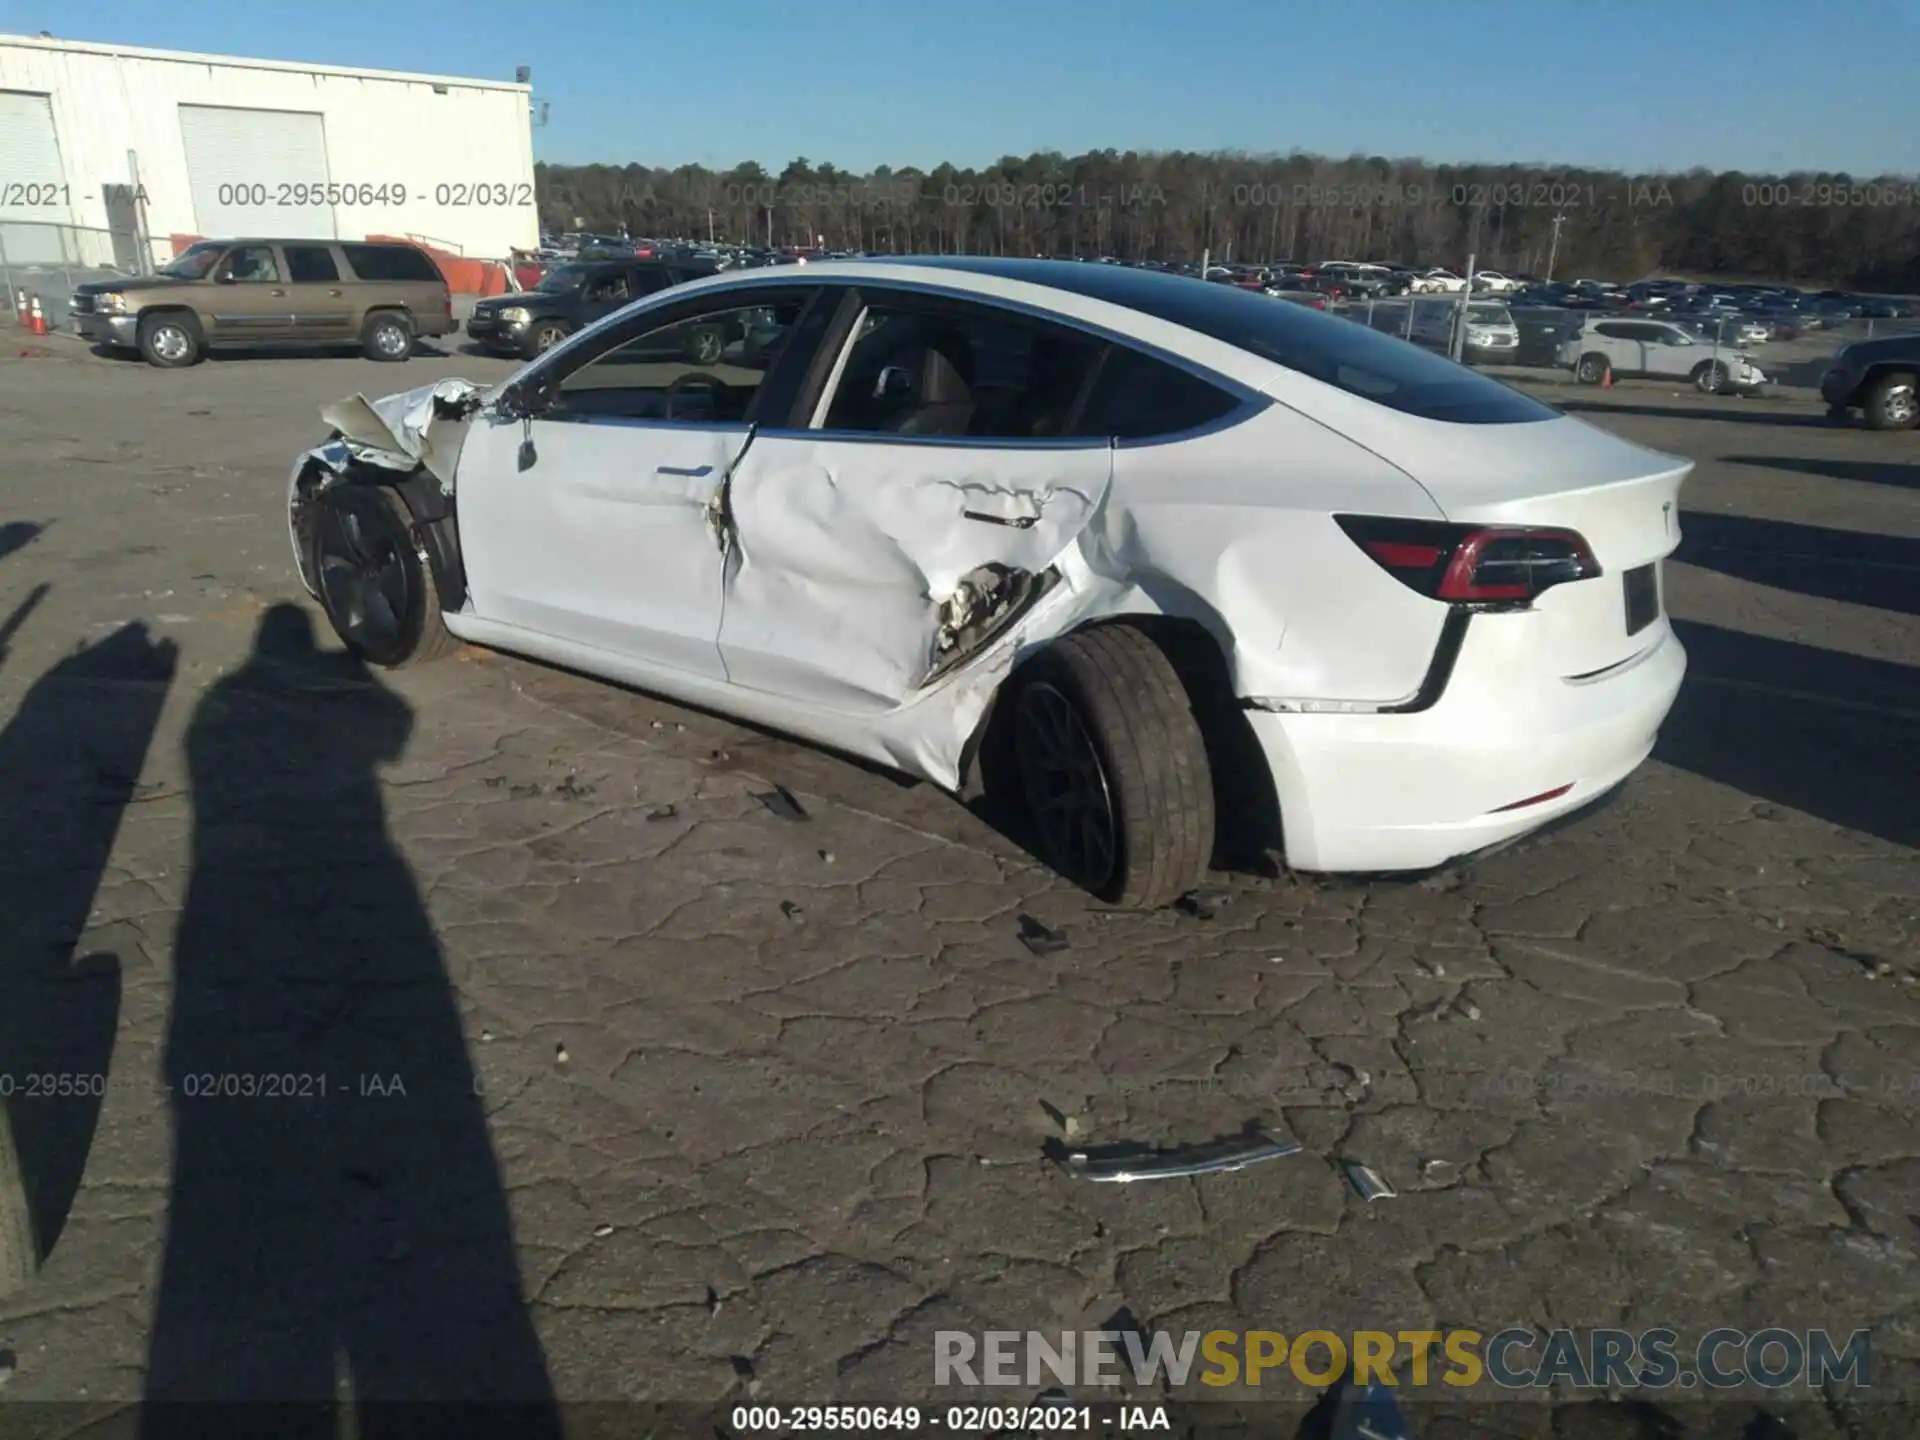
310,264
1139,398
390,262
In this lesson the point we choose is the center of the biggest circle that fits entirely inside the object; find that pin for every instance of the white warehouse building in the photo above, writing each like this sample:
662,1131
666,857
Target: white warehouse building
107,151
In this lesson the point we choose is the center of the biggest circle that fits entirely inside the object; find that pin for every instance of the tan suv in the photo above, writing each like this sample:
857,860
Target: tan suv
377,295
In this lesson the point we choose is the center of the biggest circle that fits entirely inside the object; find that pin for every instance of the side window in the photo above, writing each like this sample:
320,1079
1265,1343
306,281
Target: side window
390,262
610,287
253,265
703,369
650,281
961,372
310,264
1614,331
1139,397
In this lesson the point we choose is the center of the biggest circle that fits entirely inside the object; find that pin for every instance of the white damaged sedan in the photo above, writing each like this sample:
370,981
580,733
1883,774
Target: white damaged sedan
1197,571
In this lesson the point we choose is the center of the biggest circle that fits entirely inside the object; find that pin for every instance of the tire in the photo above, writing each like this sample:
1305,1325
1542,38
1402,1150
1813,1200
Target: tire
705,346
1710,377
387,335
170,340
19,1252
1592,368
544,336
379,594
1892,403
1104,731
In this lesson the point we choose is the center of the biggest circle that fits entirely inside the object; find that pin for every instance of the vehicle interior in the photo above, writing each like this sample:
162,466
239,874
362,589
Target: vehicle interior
933,375
676,373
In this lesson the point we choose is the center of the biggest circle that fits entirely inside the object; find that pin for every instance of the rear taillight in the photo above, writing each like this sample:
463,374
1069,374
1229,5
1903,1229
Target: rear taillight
1487,565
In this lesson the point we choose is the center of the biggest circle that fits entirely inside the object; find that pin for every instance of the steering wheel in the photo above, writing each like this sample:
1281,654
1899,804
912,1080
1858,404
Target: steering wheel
695,380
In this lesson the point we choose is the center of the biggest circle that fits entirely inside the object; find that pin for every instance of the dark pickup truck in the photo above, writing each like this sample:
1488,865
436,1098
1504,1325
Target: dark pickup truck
1879,378
571,297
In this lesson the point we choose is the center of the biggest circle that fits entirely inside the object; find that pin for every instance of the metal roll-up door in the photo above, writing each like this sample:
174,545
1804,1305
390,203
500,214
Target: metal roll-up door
34,209
241,165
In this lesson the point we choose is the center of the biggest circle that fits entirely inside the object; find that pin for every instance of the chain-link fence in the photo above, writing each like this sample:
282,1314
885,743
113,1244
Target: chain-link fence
49,260
1484,329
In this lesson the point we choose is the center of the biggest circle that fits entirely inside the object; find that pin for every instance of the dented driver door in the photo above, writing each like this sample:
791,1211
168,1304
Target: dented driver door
848,554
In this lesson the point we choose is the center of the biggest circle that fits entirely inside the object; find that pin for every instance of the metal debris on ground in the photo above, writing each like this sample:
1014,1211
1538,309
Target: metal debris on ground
1367,1183
1201,904
791,910
1124,1164
1039,938
665,812
602,1231
560,1055
780,802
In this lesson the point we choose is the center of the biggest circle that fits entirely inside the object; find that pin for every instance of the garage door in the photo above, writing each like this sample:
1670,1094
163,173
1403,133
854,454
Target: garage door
240,164
33,203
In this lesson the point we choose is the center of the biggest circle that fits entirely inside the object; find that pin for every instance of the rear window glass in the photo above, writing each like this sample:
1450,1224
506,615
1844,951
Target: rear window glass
390,262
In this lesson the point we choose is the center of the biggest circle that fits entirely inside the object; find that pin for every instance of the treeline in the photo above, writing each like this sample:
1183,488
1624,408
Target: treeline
1138,206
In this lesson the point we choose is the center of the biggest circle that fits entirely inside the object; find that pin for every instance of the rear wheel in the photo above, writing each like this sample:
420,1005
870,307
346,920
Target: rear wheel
1891,404
170,341
19,1254
387,336
1591,370
1114,767
378,592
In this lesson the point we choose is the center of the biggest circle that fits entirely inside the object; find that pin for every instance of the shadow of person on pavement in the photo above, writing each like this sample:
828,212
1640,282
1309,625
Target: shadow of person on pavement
70,761
338,1226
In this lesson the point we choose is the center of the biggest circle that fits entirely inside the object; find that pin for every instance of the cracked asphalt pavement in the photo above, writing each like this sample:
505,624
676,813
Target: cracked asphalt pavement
482,1029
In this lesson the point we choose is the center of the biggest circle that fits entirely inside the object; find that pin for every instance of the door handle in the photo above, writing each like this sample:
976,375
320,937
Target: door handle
692,472
1012,522
279,292
333,292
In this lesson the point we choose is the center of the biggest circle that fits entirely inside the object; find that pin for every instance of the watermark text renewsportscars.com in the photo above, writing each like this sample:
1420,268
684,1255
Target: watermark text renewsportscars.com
1515,1359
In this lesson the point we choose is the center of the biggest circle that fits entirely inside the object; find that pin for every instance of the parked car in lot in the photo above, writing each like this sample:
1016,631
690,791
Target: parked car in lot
980,510
1658,348
571,297
1491,336
1543,329
224,294
1495,282
1436,282
1879,378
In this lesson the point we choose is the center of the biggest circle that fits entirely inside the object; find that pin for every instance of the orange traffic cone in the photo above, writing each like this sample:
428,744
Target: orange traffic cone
1606,380
37,319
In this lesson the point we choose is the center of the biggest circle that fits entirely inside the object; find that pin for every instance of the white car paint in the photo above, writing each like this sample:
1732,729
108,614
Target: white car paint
1495,281
1437,282
812,610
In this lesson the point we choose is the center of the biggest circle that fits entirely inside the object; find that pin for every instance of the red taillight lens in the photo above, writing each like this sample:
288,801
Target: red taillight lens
1492,565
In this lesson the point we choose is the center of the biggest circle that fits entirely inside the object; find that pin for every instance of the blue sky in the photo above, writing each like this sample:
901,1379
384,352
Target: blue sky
1759,86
